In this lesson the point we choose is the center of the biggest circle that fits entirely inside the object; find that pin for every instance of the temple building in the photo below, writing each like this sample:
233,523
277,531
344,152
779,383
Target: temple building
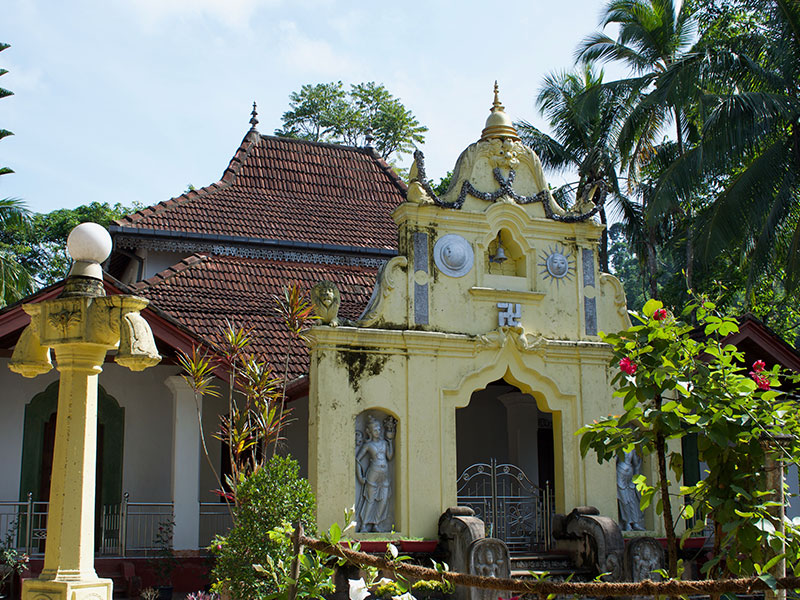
457,351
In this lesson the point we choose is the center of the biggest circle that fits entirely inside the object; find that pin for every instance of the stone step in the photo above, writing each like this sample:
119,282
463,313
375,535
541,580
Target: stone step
541,562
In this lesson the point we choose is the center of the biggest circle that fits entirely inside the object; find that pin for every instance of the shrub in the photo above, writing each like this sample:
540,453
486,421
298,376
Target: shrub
269,497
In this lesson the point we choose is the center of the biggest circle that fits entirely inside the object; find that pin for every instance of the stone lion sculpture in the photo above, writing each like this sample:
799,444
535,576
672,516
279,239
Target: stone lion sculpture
326,299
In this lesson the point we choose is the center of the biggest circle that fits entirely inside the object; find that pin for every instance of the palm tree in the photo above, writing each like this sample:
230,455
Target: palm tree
584,117
750,144
16,280
653,36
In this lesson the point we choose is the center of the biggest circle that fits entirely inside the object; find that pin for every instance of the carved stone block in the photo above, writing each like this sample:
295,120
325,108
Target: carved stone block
488,557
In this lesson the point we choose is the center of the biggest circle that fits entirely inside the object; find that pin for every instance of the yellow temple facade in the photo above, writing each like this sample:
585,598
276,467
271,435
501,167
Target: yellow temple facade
495,287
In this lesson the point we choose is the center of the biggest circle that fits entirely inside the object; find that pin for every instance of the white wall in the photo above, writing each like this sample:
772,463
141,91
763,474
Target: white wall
18,391
147,459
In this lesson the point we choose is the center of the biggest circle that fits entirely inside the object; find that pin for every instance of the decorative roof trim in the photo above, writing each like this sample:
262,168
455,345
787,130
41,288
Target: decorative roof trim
135,234
170,272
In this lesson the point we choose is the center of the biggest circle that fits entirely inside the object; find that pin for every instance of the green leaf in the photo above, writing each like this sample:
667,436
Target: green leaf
770,580
335,533
651,306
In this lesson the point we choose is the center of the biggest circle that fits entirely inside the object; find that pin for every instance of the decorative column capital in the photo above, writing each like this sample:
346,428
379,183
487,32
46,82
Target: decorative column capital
105,321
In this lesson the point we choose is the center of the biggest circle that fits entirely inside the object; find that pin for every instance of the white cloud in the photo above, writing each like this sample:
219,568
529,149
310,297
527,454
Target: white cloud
303,54
233,13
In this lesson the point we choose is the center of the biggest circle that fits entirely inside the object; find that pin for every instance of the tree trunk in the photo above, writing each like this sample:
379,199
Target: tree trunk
687,213
669,526
604,242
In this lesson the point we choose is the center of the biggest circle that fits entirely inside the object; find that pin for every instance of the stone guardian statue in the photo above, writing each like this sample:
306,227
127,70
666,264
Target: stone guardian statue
374,473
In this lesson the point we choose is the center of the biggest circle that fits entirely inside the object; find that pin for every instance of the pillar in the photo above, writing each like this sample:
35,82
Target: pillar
81,325
185,464
69,554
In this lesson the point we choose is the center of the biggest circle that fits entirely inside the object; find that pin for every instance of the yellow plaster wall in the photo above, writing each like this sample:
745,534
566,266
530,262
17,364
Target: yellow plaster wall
421,378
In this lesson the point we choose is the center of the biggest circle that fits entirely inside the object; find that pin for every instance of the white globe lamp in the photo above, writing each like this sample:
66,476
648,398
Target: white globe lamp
88,245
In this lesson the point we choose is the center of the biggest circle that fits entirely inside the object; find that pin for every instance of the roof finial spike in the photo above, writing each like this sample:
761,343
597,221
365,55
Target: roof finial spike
254,116
496,106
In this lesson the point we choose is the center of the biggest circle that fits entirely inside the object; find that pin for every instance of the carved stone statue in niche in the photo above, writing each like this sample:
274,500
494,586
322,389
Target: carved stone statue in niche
375,472
643,557
631,517
488,557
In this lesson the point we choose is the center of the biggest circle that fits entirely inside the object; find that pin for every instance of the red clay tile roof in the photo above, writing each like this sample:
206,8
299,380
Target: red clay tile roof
202,292
287,189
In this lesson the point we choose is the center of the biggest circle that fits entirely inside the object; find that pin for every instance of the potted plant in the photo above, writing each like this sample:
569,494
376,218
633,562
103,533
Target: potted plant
164,562
12,562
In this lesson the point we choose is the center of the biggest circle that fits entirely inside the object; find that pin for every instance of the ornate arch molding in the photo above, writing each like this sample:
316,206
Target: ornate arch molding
38,412
510,366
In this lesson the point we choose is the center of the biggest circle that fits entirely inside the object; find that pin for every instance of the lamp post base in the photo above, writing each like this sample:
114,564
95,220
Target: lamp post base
42,589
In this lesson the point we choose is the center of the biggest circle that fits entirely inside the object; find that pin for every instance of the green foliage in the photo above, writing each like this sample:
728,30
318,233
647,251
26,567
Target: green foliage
164,561
38,242
272,496
12,561
325,112
674,382
443,185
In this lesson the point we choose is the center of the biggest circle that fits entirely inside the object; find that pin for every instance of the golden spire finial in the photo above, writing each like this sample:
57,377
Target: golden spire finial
496,104
499,124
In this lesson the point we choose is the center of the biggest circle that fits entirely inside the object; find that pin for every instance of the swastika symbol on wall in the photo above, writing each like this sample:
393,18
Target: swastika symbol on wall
509,314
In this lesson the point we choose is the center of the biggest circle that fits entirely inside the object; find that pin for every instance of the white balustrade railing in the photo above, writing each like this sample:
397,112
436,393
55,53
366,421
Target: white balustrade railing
125,529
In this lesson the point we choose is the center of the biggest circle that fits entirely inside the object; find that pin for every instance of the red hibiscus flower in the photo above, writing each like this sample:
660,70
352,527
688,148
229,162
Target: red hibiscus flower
660,314
626,366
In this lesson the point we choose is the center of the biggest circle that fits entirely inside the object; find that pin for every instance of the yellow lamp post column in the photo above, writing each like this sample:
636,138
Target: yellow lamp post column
80,326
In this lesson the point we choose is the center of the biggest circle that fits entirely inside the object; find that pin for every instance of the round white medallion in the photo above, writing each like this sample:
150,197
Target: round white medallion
453,255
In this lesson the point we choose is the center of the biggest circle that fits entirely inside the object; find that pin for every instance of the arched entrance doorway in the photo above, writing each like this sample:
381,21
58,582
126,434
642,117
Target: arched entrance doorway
37,450
505,461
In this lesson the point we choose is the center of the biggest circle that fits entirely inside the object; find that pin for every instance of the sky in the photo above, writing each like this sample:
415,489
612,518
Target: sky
133,100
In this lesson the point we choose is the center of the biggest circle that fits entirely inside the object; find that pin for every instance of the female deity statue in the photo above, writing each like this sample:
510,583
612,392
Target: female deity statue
631,517
373,506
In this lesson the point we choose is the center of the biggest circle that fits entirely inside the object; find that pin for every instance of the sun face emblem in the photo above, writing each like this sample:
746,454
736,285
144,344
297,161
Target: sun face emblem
557,263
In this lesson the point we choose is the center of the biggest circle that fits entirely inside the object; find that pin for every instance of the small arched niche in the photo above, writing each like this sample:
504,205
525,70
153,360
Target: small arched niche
514,263
375,440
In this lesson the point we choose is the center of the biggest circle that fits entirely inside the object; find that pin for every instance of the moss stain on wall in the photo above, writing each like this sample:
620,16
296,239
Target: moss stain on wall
360,363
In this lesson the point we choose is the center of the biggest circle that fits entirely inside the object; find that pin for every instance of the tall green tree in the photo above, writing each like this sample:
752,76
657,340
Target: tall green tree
15,279
749,145
326,112
652,36
37,242
4,93
584,116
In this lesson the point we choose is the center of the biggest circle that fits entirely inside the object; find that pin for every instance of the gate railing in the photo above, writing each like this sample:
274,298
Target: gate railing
131,527
215,518
513,508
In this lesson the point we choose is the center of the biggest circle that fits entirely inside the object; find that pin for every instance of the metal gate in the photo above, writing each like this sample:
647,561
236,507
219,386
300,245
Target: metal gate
513,508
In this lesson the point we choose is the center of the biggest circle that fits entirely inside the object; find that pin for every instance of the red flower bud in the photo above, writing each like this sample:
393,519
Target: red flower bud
660,314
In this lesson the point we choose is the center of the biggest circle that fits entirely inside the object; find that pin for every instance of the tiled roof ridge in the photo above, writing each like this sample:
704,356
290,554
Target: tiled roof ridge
172,202
387,168
251,139
171,271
